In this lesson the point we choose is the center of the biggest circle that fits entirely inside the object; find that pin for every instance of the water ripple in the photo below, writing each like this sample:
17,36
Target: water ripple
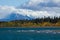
37,31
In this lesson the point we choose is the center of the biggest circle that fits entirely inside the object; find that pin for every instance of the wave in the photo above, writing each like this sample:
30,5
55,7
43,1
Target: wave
36,31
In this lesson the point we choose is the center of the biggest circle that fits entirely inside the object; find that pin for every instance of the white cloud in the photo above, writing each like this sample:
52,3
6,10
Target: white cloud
33,4
7,10
36,2
38,14
51,7
42,4
31,13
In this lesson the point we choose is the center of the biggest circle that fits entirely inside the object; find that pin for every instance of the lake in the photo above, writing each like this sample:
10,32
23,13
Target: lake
29,33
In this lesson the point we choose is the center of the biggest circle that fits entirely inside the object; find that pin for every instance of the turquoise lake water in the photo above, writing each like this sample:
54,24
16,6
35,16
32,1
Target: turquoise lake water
29,33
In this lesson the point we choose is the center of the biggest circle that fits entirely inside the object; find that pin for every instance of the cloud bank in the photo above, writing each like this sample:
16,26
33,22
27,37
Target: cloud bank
5,11
33,8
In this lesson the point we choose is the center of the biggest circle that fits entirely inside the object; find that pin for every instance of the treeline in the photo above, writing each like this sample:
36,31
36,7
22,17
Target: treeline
38,22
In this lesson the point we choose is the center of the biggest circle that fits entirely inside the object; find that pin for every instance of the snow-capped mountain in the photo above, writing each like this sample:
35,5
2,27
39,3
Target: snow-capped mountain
15,16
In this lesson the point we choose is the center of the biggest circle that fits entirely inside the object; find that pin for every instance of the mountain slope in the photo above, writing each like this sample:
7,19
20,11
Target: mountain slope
15,16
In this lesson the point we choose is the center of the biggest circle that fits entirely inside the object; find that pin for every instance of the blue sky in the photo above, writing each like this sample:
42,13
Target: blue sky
12,2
